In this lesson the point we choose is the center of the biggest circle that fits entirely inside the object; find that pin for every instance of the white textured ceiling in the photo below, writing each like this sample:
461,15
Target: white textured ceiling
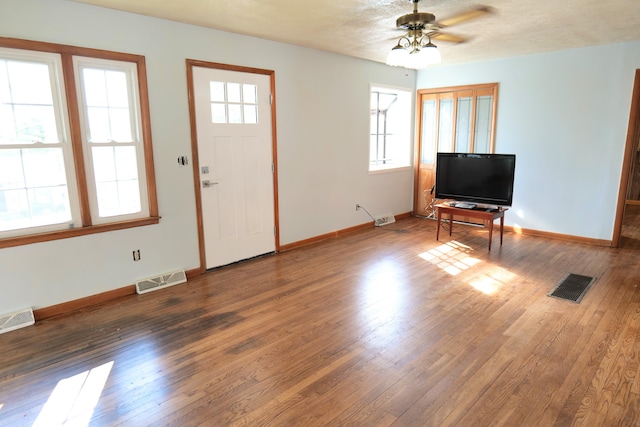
366,28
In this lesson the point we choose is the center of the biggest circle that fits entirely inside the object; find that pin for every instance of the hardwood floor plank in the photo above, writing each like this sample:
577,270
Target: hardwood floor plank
380,327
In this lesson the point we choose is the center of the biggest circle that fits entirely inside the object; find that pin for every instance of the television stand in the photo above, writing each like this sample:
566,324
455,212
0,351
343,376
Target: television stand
487,214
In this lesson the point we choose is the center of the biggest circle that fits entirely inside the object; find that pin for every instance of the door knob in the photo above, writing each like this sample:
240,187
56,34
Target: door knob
206,183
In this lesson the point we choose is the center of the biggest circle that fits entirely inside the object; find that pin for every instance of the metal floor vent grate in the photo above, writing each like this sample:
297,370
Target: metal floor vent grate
16,320
573,287
163,281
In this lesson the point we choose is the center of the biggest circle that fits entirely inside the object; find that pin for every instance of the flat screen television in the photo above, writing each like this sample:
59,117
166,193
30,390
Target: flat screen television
475,178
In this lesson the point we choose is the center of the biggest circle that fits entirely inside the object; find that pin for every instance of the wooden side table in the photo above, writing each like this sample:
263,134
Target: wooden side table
484,214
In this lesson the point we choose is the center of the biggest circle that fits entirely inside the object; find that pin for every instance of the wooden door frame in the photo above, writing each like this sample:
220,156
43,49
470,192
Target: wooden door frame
417,154
633,136
191,63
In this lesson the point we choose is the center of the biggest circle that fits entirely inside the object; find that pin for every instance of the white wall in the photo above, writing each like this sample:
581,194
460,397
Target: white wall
565,115
323,125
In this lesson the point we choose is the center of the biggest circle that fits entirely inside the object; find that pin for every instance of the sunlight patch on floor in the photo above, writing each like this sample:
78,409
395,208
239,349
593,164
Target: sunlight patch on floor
383,293
452,257
74,399
492,280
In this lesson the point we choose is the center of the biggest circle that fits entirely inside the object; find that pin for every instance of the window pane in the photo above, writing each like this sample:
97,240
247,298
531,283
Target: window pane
249,94
117,185
218,113
26,103
118,198
43,167
463,125
7,125
117,92
251,114
104,164
11,171
446,125
233,92
126,163
95,88
35,123
120,125
107,193
216,90
428,131
14,210
107,101
484,105
235,113
129,193
5,92
390,144
33,188
29,83
49,205
98,124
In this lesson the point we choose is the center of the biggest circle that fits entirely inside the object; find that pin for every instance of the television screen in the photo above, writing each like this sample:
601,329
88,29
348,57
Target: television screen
475,178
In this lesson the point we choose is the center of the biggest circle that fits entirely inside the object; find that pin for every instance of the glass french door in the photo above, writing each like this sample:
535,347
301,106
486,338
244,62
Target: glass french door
456,119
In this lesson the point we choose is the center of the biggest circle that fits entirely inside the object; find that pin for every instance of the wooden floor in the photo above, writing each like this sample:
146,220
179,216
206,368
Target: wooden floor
383,327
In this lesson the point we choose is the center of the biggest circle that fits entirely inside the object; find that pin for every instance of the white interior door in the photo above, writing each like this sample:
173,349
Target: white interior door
235,155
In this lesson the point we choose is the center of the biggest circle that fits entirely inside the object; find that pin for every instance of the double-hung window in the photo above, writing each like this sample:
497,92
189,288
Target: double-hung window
390,128
75,143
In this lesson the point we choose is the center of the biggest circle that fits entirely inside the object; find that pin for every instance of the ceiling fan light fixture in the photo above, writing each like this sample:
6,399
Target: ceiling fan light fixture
414,55
397,56
432,53
419,52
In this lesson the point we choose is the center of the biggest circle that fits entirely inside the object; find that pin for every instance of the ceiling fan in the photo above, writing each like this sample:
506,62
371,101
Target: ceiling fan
415,49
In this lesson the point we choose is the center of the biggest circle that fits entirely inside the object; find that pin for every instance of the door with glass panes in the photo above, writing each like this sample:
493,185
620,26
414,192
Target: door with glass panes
454,119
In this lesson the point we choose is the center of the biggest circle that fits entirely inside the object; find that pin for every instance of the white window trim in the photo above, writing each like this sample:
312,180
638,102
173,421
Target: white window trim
394,167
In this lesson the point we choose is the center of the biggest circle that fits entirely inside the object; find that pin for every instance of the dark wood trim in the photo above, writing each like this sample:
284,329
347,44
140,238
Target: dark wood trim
67,49
633,136
75,232
191,63
143,96
196,161
79,304
76,139
86,302
274,151
228,67
453,92
334,234
558,236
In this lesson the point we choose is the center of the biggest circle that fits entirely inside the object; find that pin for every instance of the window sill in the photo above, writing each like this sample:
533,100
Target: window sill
389,170
75,232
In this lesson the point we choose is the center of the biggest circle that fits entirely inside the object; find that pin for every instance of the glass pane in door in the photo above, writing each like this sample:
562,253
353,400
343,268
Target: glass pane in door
445,129
484,105
428,137
463,125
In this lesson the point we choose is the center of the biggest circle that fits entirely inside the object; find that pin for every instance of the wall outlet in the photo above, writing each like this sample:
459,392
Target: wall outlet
384,220
136,255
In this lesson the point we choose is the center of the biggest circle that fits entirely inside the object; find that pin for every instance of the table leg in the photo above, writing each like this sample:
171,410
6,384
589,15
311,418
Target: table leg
501,227
450,223
438,225
490,232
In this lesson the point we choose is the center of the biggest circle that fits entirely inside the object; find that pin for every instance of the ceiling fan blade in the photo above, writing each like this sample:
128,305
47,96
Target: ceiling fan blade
447,37
466,16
